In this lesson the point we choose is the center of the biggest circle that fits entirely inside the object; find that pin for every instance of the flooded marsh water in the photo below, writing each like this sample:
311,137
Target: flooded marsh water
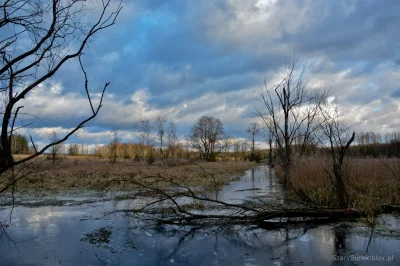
96,233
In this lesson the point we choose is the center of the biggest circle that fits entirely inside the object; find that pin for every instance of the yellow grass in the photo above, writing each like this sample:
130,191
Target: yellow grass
94,173
369,182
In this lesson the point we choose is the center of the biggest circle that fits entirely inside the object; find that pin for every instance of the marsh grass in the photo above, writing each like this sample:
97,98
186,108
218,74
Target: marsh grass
93,173
370,182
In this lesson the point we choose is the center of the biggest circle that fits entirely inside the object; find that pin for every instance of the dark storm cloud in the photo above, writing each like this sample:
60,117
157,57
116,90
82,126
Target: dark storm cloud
177,53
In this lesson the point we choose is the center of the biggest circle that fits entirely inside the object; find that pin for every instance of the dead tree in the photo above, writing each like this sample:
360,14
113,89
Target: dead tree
336,138
146,140
55,150
254,130
160,130
172,202
291,108
50,33
268,137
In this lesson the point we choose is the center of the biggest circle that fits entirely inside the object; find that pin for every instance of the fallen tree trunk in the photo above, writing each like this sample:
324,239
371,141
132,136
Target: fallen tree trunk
389,208
264,219
269,220
314,213
172,205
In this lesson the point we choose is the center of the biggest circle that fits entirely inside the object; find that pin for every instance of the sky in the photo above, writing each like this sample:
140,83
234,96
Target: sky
185,59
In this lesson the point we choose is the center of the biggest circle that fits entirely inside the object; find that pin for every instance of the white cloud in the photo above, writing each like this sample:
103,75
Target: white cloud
111,57
354,60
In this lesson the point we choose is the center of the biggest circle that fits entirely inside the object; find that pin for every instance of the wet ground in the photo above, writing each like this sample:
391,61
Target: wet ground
80,230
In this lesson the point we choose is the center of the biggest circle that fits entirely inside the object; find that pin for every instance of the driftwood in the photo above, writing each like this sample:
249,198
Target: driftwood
270,220
313,213
165,207
263,219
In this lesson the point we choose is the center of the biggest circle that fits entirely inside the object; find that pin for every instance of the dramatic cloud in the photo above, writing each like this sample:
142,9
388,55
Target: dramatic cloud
186,59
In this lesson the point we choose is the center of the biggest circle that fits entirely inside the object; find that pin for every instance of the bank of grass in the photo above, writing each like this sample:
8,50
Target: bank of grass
92,173
370,183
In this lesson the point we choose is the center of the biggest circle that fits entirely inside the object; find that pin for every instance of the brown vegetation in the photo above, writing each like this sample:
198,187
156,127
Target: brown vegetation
89,172
370,183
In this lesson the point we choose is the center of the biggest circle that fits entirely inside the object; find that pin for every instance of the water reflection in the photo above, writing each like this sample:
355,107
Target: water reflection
52,236
340,241
255,182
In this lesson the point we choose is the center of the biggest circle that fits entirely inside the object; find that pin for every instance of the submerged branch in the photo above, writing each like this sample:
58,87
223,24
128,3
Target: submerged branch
167,202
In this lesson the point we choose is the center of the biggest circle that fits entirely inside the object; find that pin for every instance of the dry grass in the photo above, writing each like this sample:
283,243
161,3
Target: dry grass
369,182
93,173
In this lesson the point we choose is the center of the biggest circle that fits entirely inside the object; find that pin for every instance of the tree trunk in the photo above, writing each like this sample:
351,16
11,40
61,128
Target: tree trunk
270,154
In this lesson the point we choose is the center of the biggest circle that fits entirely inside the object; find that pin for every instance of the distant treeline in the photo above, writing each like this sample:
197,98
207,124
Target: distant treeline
375,150
367,144
374,145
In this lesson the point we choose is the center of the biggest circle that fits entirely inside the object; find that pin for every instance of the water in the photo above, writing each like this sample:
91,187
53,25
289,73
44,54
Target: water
53,235
255,182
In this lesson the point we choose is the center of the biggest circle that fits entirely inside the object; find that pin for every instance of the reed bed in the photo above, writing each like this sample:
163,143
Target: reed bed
370,182
92,173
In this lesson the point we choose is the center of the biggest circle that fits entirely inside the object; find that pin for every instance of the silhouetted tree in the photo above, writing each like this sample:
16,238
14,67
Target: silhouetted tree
291,109
336,138
38,38
55,150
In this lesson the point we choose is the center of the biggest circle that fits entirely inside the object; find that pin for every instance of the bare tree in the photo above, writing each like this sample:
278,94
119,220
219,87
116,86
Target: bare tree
244,146
166,201
254,130
113,147
161,120
55,150
146,138
207,136
336,138
291,109
227,142
268,137
73,149
172,139
38,38
145,135
236,149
